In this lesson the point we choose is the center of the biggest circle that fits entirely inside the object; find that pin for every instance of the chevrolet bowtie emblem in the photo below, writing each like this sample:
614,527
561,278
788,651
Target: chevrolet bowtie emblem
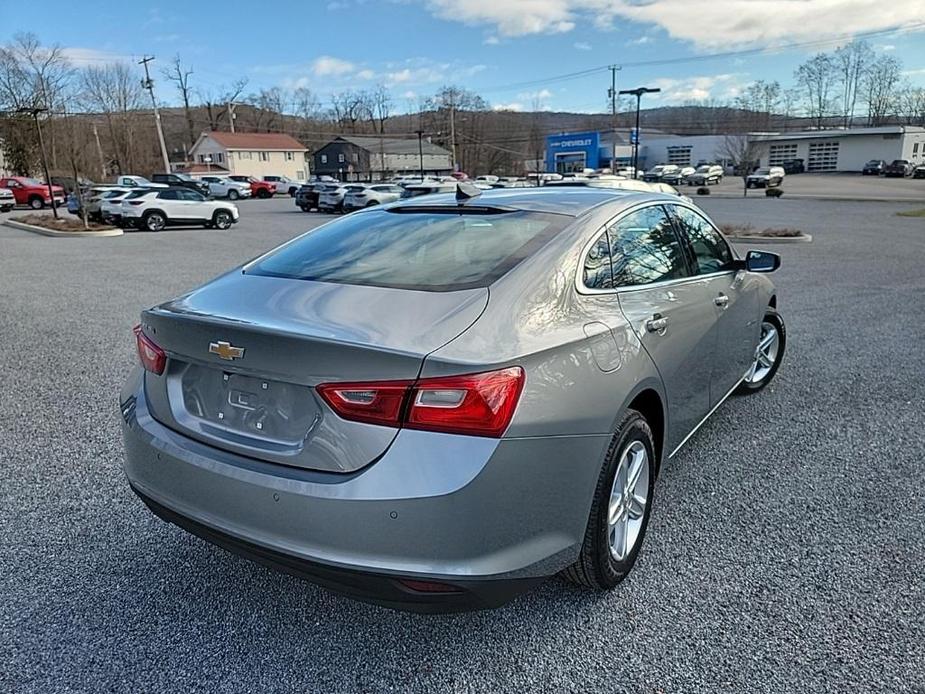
226,350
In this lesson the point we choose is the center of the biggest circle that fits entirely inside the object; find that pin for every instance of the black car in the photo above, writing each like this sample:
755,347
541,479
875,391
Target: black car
793,166
874,167
182,181
898,168
306,197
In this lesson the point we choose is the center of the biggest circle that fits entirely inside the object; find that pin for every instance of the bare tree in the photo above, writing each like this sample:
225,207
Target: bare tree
180,76
216,101
851,62
880,84
911,104
742,153
815,77
114,91
380,102
761,99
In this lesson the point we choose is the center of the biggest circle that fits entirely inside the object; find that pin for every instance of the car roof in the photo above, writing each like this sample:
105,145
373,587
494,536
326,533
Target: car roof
559,199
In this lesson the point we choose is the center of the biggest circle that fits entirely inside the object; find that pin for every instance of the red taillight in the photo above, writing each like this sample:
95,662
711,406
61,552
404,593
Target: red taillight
152,357
376,402
479,404
136,202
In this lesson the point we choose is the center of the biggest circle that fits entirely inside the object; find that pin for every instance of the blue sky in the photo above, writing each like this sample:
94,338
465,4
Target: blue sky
513,52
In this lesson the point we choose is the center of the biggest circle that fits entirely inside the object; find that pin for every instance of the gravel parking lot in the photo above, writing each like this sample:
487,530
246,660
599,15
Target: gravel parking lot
785,553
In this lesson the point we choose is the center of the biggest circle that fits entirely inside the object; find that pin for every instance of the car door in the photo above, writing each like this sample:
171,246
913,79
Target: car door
670,311
169,201
193,205
732,295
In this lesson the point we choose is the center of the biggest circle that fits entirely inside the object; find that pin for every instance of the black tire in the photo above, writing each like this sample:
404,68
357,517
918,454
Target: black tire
36,203
747,387
372,203
596,567
263,193
292,192
155,221
222,219
233,194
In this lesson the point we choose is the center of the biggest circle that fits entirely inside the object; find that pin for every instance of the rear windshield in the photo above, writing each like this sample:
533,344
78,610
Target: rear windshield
427,250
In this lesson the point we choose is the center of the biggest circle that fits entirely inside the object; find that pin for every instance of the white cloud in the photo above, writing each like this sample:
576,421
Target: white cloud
510,17
82,57
641,41
582,46
326,66
695,88
716,24
366,74
885,47
513,106
491,40
410,94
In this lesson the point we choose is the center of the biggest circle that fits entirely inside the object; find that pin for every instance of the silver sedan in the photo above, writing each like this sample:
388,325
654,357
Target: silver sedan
438,403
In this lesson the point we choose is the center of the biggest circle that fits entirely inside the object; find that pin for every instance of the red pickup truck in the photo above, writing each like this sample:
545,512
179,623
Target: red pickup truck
29,191
259,189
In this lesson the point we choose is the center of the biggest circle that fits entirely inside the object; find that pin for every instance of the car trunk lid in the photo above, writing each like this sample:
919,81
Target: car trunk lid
246,351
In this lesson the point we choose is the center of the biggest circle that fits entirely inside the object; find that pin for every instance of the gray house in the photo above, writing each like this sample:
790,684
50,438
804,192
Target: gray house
369,158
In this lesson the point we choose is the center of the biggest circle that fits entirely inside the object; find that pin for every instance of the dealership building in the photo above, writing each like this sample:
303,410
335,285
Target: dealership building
820,150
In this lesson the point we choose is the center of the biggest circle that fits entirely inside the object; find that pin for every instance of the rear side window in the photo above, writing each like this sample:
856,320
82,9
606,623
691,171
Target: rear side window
645,249
427,250
597,270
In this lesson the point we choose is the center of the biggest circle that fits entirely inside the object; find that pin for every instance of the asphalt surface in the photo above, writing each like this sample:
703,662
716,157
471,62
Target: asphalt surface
834,186
786,551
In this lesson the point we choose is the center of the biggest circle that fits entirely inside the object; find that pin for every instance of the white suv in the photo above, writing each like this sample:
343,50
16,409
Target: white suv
155,209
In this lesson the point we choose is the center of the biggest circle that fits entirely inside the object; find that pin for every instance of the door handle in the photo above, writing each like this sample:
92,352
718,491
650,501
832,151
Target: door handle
722,300
657,324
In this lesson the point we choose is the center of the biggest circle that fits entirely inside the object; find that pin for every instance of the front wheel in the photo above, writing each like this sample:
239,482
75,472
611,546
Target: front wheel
222,220
36,203
621,507
233,194
155,221
768,354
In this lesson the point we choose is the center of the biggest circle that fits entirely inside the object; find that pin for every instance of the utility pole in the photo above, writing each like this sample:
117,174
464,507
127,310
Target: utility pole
99,151
148,84
421,152
231,115
453,130
638,92
34,112
612,93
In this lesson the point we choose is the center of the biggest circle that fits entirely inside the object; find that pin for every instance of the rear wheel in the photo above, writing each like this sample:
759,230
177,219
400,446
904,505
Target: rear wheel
621,508
155,221
292,192
222,219
768,354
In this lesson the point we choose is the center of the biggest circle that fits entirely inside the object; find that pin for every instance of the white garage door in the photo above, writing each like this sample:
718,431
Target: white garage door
823,156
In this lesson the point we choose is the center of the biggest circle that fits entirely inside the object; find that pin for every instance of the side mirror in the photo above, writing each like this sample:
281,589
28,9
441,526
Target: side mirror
761,261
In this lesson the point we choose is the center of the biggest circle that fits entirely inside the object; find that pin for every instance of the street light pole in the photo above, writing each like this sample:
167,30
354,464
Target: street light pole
421,152
612,93
34,112
638,92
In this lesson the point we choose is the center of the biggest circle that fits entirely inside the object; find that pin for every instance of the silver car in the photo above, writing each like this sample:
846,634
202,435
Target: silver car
438,403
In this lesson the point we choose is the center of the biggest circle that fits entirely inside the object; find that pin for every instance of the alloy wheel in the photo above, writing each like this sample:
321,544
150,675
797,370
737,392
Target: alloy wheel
765,354
628,498
154,222
222,220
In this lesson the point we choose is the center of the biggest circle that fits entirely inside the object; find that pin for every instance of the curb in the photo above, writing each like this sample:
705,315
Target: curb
805,238
60,234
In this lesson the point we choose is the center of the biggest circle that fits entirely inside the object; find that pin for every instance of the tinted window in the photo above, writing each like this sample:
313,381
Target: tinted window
711,251
432,251
597,271
190,195
645,249
168,195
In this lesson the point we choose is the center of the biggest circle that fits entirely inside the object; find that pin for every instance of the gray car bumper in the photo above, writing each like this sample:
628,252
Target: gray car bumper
488,518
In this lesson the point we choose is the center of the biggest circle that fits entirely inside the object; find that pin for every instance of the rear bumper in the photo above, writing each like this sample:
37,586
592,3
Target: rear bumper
490,518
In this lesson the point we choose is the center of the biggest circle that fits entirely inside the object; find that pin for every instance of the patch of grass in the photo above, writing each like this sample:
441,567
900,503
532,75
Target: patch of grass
70,223
912,213
749,230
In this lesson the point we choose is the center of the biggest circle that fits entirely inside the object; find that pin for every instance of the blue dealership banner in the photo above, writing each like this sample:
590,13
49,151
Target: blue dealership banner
571,152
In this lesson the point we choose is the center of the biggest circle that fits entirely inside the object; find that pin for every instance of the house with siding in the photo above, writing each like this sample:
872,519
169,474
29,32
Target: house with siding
372,158
250,154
